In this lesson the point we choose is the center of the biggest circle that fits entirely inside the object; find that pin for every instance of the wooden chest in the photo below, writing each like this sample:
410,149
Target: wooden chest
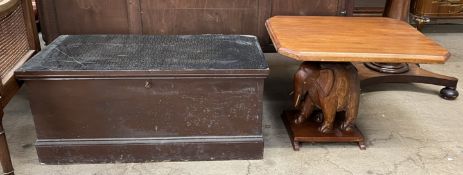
104,98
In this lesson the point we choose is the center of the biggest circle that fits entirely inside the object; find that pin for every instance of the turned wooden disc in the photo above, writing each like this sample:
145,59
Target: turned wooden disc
390,68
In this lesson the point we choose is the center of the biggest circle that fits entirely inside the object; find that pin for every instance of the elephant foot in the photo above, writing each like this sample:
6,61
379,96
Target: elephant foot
326,129
346,126
299,119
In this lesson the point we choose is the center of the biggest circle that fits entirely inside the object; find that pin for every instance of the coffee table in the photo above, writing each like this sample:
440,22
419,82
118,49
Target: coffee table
336,40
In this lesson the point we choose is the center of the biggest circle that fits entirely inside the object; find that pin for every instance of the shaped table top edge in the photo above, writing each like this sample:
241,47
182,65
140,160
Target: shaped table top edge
353,56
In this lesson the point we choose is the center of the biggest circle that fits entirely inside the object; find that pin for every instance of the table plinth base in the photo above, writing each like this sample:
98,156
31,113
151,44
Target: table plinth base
415,75
308,132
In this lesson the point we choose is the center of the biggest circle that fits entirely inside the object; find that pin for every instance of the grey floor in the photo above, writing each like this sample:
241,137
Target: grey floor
409,130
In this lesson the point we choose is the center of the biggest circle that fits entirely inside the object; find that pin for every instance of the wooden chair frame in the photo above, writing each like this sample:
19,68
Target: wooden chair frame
9,85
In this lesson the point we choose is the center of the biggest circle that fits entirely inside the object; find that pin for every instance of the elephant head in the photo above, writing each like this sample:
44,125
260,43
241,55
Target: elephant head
312,79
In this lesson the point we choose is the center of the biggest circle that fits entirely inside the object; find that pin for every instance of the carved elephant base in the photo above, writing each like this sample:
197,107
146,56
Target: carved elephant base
308,131
332,88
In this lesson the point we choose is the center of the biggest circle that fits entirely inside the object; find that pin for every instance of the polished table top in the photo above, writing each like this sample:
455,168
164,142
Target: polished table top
352,39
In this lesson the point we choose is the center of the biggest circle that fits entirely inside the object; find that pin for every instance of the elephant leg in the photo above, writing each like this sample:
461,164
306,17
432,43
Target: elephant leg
353,104
329,114
351,115
306,110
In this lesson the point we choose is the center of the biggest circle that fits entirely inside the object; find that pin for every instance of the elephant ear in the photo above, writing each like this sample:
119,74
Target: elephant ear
325,81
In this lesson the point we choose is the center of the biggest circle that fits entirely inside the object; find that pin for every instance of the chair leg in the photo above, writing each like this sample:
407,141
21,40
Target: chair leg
5,159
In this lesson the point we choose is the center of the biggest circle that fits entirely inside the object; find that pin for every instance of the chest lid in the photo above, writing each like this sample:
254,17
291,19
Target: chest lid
140,55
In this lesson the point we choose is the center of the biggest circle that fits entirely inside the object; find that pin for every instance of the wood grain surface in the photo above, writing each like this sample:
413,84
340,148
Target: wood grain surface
352,39
161,17
307,7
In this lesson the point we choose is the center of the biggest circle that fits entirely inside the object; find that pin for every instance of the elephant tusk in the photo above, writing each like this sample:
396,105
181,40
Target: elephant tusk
297,101
291,93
